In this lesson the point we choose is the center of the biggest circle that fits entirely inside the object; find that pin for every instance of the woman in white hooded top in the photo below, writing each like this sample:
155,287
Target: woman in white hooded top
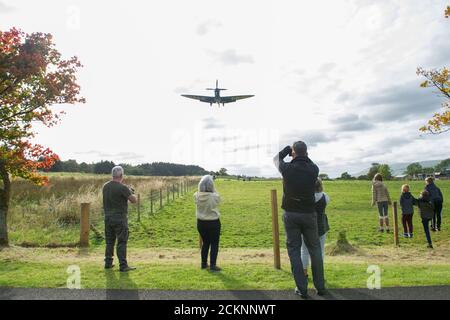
208,221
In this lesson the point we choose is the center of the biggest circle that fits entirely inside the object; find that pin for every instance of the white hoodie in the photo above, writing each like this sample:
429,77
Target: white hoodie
206,203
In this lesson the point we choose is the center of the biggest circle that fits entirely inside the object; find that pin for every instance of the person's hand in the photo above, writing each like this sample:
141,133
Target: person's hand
288,150
131,189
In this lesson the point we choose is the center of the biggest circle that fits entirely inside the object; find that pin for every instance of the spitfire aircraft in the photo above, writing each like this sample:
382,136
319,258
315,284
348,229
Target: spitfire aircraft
217,98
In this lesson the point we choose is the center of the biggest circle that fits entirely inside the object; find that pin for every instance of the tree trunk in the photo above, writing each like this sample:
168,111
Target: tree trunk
4,205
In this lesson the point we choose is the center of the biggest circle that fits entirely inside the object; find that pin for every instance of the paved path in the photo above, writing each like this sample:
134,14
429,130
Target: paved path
414,293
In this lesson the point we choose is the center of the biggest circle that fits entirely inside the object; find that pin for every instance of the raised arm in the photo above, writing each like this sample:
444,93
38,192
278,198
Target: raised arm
278,159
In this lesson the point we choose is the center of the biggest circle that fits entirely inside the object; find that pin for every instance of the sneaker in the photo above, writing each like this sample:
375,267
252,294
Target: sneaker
406,235
381,230
430,246
127,268
433,229
438,228
109,266
410,235
215,269
388,230
204,266
303,296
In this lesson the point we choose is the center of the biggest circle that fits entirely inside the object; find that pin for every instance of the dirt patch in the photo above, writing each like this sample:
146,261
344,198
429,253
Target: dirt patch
376,255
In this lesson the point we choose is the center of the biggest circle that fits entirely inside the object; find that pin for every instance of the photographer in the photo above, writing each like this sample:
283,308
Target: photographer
115,205
300,217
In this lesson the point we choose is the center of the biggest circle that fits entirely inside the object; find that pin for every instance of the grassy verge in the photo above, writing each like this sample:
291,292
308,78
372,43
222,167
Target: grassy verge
190,277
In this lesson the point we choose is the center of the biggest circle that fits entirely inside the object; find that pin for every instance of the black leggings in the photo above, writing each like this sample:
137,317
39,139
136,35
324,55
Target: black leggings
210,233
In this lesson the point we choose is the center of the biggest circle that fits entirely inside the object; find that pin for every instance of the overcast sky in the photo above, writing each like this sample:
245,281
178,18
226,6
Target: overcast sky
339,75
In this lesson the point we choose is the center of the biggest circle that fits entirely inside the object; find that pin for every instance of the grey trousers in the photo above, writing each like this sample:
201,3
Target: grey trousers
296,226
116,230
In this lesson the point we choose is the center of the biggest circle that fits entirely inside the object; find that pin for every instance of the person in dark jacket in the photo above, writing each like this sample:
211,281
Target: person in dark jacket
407,202
437,198
115,205
300,217
426,209
322,200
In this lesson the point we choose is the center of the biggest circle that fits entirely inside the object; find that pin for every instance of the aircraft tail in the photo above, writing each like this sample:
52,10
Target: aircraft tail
217,87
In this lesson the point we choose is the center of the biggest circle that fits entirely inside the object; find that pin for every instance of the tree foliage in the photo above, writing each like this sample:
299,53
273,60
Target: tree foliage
414,169
438,79
33,77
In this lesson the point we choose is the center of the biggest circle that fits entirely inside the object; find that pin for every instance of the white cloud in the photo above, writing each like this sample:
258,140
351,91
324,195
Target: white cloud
338,74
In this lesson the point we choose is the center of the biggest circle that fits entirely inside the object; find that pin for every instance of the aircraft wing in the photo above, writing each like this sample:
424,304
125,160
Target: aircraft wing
200,98
234,98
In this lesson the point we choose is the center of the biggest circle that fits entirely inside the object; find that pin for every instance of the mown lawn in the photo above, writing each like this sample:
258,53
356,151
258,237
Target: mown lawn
190,277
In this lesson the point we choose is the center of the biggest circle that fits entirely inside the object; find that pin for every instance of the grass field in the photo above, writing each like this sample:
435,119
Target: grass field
164,245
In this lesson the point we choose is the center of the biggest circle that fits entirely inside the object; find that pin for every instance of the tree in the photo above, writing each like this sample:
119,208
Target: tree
346,176
223,172
104,167
373,170
385,171
414,169
444,164
363,177
33,77
324,176
428,170
438,79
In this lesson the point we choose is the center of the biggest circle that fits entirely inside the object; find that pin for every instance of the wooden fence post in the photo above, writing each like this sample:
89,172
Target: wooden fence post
173,192
151,201
160,199
396,242
139,207
168,194
84,225
275,230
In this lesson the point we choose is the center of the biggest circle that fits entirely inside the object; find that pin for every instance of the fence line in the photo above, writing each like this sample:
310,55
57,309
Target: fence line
158,198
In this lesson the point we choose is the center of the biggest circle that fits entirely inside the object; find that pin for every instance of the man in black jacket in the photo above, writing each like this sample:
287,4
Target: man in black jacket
299,217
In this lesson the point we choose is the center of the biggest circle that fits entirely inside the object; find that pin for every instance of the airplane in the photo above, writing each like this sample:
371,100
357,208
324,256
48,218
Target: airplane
217,98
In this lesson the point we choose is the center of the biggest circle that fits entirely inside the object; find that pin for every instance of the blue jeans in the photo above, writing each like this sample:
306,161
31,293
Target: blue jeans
383,207
298,226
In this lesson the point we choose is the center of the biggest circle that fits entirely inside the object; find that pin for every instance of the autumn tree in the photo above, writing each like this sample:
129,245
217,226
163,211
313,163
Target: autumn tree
438,79
33,78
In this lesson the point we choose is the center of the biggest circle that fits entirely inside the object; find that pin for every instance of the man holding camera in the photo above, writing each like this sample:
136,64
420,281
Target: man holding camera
299,217
115,205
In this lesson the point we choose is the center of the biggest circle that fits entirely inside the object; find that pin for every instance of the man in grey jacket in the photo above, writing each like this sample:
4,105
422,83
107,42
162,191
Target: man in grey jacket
299,217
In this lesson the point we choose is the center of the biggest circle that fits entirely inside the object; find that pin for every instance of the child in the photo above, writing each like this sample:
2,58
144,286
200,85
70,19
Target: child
322,199
437,198
208,221
407,202
380,196
426,210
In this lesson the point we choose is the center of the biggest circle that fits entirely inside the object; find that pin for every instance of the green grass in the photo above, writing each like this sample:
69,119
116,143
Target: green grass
246,223
246,218
190,277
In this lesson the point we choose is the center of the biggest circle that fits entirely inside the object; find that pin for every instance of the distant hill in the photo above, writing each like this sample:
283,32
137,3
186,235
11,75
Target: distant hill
400,168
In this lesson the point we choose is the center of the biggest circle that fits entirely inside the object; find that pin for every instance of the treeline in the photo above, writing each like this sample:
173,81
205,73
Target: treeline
145,169
412,171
